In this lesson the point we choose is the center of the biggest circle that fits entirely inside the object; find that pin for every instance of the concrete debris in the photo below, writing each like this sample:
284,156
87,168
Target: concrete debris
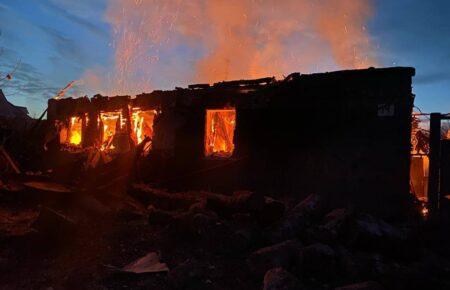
315,258
370,285
298,218
191,272
280,279
148,264
284,255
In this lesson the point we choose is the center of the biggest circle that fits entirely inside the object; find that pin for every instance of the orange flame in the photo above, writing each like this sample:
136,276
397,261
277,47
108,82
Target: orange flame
142,122
111,123
71,135
214,40
219,134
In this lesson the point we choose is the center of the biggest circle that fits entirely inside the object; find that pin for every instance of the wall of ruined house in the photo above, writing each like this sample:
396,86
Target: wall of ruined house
320,133
325,135
343,134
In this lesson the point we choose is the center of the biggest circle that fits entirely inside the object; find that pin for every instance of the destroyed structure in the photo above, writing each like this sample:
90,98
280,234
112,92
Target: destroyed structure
13,121
345,133
280,166
8,110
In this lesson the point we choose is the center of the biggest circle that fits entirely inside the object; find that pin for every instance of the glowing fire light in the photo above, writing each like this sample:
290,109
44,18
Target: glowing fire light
72,134
142,122
112,123
424,211
241,38
219,133
75,131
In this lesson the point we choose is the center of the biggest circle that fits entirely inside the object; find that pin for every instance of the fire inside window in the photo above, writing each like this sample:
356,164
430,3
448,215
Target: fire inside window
72,134
111,123
219,133
142,124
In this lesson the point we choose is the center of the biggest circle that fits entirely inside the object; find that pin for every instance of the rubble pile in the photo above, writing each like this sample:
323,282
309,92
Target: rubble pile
153,239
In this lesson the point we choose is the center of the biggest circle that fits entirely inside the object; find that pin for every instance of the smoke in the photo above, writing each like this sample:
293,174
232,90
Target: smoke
160,43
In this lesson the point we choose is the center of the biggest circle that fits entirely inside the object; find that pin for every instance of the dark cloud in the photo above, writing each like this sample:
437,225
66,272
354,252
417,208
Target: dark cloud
67,50
75,19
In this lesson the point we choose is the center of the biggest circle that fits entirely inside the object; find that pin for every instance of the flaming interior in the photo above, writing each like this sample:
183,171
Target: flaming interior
111,123
72,134
142,122
219,133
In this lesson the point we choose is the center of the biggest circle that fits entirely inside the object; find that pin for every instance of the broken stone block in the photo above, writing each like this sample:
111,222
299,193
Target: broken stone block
159,216
239,202
188,274
202,223
280,279
284,255
241,240
248,201
272,211
298,219
148,264
315,258
369,232
369,285
332,227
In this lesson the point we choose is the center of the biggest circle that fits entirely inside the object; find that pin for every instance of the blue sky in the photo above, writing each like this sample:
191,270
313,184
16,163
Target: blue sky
57,40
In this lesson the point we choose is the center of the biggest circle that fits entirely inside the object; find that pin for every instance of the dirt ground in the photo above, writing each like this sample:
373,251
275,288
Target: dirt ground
73,240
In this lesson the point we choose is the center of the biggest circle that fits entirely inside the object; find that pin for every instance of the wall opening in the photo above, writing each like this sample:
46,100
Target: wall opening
111,124
142,123
420,147
219,132
71,134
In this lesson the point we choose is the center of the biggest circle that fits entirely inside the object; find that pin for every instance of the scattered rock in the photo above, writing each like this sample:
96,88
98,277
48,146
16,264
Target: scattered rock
332,227
272,211
203,223
148,264
371,233
188,274
280,279
240,201
159,216
298,219
318,261
369,285
162,199
280,255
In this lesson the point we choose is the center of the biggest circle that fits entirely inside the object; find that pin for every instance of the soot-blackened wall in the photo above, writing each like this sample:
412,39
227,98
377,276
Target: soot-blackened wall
346,134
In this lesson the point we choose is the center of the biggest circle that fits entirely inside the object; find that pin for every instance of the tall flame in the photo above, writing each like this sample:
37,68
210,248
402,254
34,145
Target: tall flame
210,40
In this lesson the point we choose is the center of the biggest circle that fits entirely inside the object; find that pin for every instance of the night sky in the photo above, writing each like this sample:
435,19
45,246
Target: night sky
55,41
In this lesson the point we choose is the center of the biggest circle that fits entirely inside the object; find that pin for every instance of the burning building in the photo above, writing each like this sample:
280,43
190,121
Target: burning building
345,134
